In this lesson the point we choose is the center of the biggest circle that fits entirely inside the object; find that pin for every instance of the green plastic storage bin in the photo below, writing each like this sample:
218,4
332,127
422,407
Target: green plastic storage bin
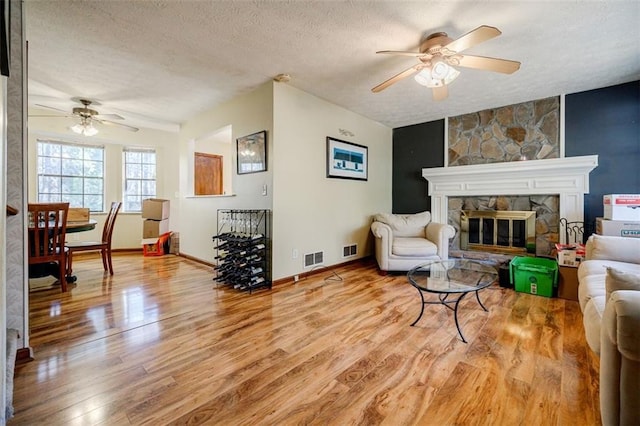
534,275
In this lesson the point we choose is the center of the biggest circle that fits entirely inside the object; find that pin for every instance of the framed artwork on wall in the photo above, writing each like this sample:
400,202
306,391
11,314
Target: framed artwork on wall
346,160
252,153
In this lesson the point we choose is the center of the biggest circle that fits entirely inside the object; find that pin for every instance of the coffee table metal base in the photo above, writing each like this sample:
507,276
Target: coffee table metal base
442,300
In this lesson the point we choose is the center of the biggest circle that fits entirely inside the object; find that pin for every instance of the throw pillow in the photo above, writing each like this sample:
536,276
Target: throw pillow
405,225
621,280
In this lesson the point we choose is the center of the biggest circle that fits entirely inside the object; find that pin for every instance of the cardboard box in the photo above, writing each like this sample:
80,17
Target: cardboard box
570,254
155,208
156,247
618,228
154,228
622,207
568,283
77,214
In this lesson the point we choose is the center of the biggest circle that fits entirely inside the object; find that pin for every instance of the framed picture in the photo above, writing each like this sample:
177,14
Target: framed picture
346,160
252,153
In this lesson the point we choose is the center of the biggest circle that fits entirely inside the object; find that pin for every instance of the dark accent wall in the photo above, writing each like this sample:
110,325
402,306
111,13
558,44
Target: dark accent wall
414,148
601,121
606,122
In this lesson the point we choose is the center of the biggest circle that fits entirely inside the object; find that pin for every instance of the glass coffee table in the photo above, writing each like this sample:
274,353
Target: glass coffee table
448,278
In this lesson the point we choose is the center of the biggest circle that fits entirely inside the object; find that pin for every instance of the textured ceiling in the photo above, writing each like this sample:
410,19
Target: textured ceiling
159,63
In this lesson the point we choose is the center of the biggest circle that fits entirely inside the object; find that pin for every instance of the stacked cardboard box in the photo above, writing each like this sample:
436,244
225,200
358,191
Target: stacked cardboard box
570,254
622,207
621,216
155,212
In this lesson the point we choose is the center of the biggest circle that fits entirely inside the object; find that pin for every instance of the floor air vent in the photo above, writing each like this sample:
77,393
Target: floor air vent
313,259
348,251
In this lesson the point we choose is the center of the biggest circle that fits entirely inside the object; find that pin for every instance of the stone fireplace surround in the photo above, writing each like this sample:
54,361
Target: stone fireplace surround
566,177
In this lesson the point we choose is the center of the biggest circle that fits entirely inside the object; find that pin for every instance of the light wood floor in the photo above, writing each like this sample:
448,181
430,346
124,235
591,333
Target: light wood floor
158,343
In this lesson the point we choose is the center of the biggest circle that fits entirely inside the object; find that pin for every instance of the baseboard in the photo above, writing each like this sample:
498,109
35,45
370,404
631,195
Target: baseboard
195,259
96,253
307,274
126,250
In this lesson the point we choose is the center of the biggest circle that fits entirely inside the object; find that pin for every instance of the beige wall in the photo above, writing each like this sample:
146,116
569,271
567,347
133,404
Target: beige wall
245,114
312,212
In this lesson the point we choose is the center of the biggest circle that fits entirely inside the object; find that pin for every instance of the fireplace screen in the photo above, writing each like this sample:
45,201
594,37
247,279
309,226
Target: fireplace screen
498,231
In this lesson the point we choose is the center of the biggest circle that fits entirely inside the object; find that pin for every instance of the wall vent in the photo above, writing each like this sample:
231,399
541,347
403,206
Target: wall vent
348,251
312,259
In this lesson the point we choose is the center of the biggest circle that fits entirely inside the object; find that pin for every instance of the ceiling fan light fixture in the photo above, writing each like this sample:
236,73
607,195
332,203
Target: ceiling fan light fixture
84,128
452,74
440,70
438,75
424,78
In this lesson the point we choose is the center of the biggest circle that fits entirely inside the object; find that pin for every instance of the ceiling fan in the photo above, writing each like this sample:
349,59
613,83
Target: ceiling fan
87,117
439,54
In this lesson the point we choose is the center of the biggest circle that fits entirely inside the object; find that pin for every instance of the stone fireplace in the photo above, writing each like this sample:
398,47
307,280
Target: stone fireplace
564,179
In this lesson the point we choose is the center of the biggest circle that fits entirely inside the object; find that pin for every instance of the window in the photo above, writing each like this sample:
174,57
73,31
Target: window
71,173
139,177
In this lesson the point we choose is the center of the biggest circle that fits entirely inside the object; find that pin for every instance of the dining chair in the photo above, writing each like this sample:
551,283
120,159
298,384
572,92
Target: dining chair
47,231
104,245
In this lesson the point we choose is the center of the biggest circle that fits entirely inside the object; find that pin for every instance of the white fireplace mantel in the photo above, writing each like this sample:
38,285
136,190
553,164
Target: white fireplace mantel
568,177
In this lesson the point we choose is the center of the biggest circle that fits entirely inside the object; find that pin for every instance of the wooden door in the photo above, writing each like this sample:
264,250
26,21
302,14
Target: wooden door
208,174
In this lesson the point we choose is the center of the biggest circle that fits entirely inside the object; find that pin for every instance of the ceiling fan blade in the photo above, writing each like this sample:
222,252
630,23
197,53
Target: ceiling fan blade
490,64
440,93
110,116
395,78
113,123
473,37
50,116
52,108
400,52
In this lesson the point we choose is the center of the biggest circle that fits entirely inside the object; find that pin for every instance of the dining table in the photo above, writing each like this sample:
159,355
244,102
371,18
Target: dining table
81,226
73,227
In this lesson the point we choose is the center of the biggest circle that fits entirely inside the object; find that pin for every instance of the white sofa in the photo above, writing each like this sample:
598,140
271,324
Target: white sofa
403,241
609,296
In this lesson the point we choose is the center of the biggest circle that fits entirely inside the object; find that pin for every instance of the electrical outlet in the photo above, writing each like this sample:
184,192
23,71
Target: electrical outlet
294,254
296,278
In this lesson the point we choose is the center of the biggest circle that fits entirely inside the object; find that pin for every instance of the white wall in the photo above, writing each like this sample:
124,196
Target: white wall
245,114
128,230
312,212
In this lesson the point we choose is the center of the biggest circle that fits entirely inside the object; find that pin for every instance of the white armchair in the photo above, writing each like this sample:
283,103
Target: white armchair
403,241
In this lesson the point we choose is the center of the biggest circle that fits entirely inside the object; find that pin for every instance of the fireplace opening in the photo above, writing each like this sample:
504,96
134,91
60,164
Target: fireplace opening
511,232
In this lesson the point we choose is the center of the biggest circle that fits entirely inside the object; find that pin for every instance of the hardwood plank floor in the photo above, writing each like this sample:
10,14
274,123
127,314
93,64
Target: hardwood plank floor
159,343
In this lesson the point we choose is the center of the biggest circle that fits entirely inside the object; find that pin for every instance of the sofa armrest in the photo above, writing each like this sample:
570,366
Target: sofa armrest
440,234
621,322
383,242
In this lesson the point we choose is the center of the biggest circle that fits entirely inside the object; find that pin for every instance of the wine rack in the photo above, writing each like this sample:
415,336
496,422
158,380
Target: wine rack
242,247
